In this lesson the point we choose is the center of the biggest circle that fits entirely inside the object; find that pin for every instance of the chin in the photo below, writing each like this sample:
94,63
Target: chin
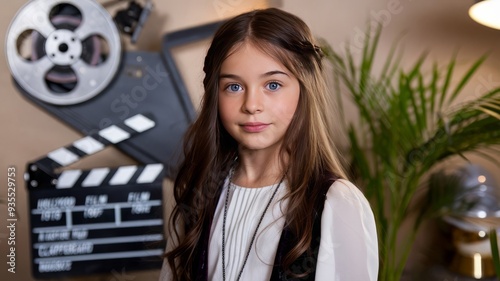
261,146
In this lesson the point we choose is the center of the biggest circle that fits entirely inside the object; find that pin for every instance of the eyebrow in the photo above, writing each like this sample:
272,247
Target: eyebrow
269,73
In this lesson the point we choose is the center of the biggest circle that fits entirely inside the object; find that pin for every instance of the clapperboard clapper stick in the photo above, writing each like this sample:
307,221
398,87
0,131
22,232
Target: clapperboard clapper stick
99,220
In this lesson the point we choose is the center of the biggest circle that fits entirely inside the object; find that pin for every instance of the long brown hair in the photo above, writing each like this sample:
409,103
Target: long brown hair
209,150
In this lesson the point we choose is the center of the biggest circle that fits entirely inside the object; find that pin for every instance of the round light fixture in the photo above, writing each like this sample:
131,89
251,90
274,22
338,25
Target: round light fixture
486,13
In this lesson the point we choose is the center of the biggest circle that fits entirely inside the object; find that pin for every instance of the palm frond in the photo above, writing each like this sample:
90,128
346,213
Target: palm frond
409,123
494,251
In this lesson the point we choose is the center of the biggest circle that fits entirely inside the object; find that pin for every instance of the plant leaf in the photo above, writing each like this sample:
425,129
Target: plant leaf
446,84
466,78
494,251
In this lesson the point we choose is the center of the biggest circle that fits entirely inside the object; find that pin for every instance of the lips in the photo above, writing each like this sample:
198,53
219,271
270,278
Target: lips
254,127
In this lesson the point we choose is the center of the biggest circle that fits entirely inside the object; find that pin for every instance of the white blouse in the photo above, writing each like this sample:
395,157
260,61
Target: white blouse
348,248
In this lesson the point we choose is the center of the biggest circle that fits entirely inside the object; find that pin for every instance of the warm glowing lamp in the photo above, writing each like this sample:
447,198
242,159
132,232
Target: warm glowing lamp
486,13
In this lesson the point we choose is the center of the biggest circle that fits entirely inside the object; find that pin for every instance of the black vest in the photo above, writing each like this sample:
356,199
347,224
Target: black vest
305,263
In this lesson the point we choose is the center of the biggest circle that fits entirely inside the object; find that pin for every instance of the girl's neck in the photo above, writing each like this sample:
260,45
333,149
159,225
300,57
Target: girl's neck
257,169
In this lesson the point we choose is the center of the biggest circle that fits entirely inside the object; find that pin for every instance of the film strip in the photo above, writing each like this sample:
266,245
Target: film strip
99,220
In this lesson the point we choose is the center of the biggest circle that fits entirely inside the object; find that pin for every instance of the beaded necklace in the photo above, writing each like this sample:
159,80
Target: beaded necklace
254,234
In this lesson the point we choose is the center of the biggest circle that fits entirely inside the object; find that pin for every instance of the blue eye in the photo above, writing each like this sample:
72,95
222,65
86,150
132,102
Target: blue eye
234,88
273,86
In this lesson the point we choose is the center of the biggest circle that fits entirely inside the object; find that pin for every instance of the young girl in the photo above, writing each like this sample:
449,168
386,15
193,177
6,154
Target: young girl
261,194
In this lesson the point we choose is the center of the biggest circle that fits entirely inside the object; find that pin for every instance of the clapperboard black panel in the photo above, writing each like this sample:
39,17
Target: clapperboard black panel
98,220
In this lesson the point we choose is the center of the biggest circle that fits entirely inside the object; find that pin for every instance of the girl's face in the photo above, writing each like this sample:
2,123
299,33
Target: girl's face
258,97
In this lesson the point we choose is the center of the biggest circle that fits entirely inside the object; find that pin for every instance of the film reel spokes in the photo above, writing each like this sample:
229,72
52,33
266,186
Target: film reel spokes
73,54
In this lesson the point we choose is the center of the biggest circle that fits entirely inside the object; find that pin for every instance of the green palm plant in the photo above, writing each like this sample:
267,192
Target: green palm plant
407,125
494,251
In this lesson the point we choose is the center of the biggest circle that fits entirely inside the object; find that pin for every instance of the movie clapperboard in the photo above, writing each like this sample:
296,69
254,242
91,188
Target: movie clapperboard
99,220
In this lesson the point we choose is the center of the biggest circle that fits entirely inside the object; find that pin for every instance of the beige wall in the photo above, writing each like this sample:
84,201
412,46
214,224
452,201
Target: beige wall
27,132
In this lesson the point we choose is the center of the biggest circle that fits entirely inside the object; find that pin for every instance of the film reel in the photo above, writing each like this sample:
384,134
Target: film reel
63,52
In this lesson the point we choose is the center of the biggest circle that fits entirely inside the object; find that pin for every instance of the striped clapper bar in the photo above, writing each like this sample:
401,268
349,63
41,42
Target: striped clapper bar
99,220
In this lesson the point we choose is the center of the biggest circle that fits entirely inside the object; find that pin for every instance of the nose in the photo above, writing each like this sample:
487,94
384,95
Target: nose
253,101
